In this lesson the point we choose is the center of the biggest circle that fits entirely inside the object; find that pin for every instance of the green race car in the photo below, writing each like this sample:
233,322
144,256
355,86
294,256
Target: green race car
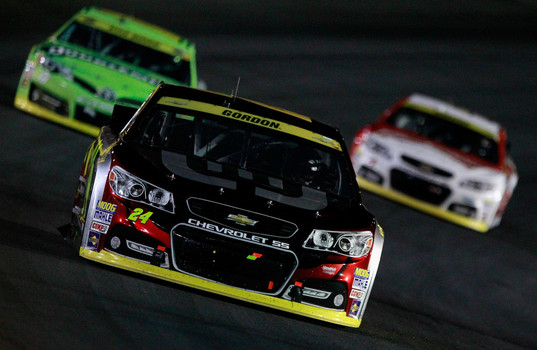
98,56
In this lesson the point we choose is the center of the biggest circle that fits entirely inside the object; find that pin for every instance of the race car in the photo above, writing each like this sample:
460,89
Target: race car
74,77
233,197
438,158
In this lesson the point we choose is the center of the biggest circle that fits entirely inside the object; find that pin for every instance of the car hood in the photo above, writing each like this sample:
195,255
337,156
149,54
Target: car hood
428,154
101,74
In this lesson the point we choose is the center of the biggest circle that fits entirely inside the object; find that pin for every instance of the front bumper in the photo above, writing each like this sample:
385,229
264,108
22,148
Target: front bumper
326,315
23,103
423,206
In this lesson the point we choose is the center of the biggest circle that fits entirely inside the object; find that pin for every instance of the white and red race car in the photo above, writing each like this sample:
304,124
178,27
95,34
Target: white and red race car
437,158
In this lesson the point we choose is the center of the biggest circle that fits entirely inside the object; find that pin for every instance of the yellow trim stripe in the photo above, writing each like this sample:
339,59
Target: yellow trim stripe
32,108
251,119
421,205
104,257
131,36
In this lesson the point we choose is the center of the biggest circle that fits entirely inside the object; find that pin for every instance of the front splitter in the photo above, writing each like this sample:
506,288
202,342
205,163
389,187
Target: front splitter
332,316
421,205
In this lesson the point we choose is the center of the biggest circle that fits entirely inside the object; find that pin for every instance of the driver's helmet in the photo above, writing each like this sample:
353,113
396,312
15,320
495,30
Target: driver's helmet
308,166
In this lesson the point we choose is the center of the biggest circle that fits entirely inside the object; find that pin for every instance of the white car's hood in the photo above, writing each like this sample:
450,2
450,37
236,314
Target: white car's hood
433,155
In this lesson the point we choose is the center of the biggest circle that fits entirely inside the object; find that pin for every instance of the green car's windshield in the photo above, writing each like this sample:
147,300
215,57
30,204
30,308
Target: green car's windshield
446,132
127,51
247,147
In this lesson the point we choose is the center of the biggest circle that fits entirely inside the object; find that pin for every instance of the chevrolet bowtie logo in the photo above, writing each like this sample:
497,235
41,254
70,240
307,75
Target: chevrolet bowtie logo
241,220
426,168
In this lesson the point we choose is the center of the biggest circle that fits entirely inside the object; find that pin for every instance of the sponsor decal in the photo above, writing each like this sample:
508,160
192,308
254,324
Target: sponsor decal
327,141
361,273
68,52
435,189
102,216
254,256
109,207
238,234
140,248
106,94
360,283
99,227
93,240
468,201
355,306
356,294
241,219
361,278
91,103
329,270
315,293
428,176
252,119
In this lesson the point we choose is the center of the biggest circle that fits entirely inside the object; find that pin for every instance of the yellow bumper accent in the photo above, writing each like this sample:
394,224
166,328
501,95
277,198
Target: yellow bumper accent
32,108
104,257
422,206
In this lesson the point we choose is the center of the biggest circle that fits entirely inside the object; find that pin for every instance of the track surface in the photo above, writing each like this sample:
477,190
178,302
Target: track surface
439,285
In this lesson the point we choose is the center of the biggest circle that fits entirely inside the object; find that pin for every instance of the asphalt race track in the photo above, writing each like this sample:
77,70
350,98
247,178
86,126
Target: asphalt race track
439,286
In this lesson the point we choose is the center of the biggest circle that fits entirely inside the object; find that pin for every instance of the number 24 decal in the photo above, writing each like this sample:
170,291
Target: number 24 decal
139,215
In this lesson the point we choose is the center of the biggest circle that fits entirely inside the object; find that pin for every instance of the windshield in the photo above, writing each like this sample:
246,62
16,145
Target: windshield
127,51
248,147
446,132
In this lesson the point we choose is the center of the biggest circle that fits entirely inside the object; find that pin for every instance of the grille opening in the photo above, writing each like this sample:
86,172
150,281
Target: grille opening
418,188
230,261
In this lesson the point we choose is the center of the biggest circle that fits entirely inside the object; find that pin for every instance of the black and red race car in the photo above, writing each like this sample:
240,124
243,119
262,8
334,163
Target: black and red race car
230,196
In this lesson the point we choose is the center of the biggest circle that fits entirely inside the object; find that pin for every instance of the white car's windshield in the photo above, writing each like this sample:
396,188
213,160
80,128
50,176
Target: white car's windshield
446,132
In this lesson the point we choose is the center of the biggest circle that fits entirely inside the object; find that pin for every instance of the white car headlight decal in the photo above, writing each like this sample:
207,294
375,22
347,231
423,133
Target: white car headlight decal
378,148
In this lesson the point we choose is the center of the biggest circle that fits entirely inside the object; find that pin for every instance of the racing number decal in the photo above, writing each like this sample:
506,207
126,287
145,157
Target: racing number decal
139,215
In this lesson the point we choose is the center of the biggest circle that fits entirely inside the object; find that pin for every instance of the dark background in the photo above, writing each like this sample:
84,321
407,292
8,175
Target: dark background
439,285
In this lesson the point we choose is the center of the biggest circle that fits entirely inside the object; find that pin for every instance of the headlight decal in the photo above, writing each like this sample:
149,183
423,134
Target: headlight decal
128,186
477,185
378,148
56,67
354,244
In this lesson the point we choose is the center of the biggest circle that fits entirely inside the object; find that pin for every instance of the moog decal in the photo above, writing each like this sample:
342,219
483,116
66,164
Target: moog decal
109,207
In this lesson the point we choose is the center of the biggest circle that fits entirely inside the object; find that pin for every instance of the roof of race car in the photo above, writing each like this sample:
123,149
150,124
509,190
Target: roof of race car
248,111
133,29
470,120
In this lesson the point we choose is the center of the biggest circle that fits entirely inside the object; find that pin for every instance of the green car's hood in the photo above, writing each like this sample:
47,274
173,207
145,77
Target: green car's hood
101,74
